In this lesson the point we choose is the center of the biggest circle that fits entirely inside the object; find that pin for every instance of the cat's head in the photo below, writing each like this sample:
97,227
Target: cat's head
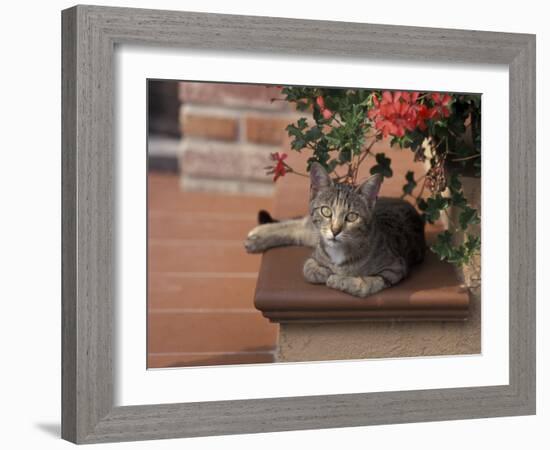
341,212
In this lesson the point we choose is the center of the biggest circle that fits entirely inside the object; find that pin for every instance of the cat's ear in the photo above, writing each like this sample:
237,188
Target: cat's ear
370,189
319,177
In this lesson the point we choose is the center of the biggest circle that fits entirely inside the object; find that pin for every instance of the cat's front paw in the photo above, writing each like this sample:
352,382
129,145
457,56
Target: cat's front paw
315,273
257,240
338,282
357,286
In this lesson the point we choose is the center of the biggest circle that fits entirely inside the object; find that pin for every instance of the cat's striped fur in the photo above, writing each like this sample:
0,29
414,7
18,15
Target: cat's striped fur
361,244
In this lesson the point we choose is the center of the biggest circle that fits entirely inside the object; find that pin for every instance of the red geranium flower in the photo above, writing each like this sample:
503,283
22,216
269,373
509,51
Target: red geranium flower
399,112
280,168
327,113
441,99
441,105
423,113
320,102
410,96
396,113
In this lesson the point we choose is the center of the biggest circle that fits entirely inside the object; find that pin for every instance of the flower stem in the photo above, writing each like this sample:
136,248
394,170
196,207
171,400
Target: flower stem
478,155
291,170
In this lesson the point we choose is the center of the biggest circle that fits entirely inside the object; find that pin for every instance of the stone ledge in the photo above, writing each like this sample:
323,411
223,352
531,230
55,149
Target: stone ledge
431,293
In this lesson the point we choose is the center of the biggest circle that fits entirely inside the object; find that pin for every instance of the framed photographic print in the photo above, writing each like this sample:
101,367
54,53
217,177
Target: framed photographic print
264,230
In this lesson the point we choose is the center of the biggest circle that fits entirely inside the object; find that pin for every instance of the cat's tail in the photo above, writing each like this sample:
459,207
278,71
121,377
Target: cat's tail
265,217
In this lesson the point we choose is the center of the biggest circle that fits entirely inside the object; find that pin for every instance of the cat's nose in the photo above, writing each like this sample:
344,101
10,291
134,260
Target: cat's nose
336,230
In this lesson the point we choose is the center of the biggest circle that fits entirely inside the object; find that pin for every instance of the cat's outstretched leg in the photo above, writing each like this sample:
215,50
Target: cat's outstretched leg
358,286
287,232
315,273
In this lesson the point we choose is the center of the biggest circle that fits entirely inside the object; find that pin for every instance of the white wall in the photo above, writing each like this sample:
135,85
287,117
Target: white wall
30,221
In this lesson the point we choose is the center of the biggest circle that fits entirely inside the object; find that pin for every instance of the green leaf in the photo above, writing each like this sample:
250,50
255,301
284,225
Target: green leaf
411,183
458,199
458,256
433,207
302,123
321,159
313,134
402,141
432,215
297,144
382,166
455,254
443,245
422,204
345,156
321,146
302,106
440,129
454,183
468,216
438,202
473,244
294,130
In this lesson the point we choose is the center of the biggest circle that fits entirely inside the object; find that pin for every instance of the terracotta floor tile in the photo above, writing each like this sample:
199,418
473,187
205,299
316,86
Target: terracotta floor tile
155,360
193,255
201,282
210,332
215,292
164,194
200,225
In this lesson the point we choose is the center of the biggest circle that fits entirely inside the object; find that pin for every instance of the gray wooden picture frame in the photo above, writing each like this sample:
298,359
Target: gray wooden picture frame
90,34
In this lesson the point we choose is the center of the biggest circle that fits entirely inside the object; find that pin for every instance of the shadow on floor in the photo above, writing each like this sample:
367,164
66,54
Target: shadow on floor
53,429
249,355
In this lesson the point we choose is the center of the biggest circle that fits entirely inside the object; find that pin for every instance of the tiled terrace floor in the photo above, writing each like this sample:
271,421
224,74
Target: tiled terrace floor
201,281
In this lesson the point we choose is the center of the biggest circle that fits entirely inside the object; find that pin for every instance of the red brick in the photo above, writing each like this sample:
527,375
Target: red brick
232,94
211,127
225,161
265,129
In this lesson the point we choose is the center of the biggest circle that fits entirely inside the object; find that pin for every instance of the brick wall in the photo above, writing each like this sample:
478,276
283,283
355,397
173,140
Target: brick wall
228,133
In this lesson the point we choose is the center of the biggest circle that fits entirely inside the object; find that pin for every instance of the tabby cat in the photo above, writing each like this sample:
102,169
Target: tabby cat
361,244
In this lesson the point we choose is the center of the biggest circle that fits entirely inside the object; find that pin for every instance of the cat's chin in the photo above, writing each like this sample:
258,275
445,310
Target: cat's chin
331,242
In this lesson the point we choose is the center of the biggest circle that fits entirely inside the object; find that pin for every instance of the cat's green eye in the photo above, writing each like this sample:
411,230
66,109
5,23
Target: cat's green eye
352,217
326,211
